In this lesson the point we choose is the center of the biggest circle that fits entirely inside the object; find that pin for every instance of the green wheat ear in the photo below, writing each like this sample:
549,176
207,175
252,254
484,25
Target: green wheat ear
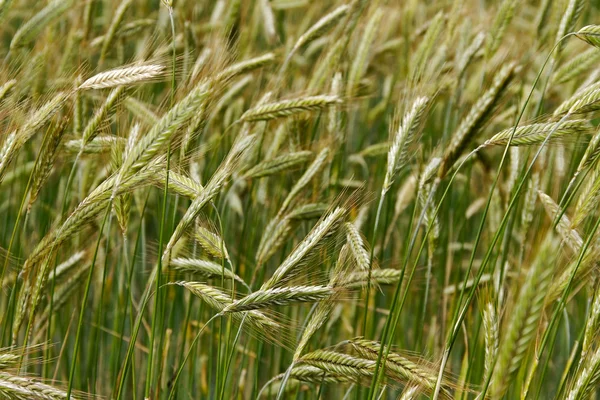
590,34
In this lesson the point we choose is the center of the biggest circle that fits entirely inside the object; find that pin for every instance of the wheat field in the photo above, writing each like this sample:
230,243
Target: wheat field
296,199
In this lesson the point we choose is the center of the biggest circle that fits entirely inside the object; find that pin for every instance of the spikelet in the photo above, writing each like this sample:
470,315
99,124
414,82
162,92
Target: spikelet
278,164
27,130
162,132
314,168
4,7
334,123
529,203
93,125
141,110
504,15
398,152
383,276
245,66
472,123
99,144
361,59
491,333
7,150
592,151
268,20
122,204
468,54
339,364
591,324
286,108
410,393
214,297
212,188
218,300
400,368
588,198
46,160
18,387
8,360
577,66
212,243
424,52
31,29
324,69
178,183
324,308
308,211
308,373
322,25
205,268
523,320
528,135
315,31
122,77
233,14
585,100
564,226
66,266
86,211
115,23
590,34
280,297
6,88
586,377
288,267
357,247
568,20
273,237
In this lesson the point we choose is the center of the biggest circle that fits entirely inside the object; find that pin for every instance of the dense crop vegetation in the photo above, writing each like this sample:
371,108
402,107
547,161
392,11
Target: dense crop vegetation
299,199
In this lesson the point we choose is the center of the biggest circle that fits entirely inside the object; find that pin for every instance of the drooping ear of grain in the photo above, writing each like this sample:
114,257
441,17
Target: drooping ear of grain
590,34
476,118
